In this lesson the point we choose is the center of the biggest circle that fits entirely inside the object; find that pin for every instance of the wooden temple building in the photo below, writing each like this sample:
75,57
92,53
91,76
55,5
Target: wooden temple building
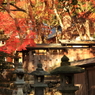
50,54
86,80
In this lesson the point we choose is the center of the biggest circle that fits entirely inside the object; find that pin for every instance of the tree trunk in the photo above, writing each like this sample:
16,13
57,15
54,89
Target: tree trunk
87,30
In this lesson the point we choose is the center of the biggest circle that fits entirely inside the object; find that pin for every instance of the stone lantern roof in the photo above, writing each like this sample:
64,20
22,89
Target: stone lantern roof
39,71
66,68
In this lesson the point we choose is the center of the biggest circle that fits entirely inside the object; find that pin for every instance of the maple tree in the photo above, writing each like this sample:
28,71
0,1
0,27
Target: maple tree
75,16
84,17
16,29
27,22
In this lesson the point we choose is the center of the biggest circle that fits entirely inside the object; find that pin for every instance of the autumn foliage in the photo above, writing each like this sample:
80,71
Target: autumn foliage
20,20
15,30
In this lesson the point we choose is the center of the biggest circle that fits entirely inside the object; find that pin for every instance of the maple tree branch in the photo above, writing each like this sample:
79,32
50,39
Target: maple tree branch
16,22
57,15
18,9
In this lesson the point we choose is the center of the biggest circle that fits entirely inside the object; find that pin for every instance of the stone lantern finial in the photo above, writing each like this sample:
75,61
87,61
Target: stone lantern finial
64,61
39,67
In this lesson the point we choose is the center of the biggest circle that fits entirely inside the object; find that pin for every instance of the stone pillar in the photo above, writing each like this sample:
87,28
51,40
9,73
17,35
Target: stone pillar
19,90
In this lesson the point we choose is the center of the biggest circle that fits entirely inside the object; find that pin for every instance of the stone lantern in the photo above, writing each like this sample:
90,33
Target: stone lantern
66,72
19,71
39,84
